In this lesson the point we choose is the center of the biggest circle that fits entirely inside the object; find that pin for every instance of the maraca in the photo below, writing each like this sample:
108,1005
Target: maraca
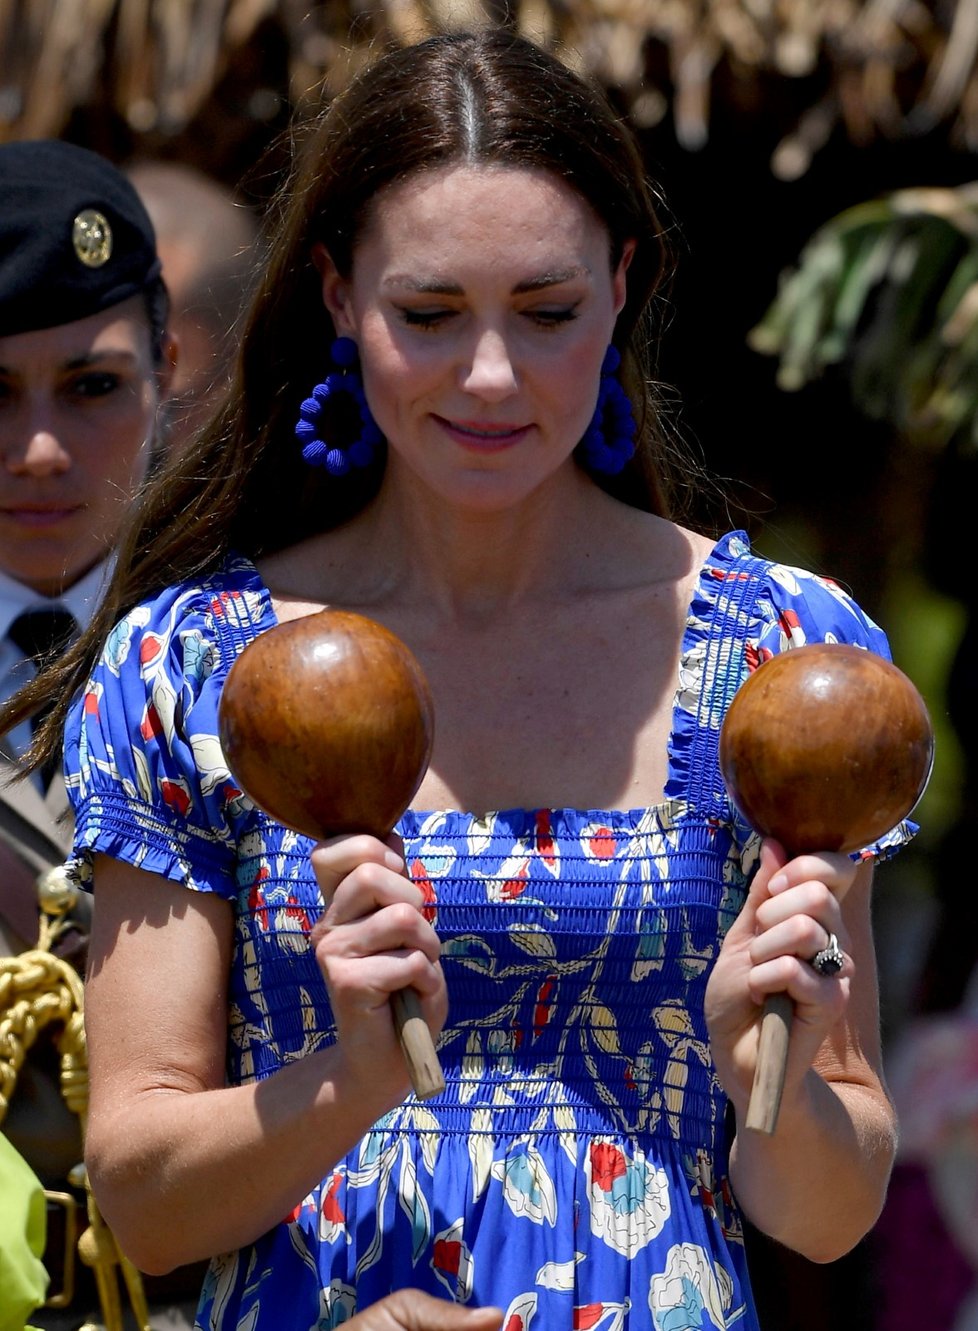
824,747
327,724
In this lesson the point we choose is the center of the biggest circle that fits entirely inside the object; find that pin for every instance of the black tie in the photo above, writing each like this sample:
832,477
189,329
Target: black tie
42,635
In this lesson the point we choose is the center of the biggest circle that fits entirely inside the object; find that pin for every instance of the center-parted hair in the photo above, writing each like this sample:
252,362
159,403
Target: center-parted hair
490,99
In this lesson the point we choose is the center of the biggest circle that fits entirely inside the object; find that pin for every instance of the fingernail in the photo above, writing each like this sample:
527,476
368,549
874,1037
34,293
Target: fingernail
393,861
778,883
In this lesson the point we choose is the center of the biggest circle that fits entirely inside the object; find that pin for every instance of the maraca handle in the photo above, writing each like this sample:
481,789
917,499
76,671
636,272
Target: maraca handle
772,1056
417,1045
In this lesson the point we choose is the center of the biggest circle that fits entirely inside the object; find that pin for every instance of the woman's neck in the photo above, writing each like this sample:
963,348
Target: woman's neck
412,550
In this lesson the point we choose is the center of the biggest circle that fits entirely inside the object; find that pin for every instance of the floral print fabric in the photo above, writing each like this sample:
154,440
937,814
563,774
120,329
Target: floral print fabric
573,1171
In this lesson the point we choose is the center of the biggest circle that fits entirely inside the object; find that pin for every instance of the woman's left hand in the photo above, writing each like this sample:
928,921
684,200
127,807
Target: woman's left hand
791,910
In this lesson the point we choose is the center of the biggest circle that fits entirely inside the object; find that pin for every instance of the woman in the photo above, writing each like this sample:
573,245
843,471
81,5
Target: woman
86,371
86,363
589,925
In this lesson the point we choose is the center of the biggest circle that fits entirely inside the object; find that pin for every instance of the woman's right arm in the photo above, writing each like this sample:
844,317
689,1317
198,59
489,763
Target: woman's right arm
184,1166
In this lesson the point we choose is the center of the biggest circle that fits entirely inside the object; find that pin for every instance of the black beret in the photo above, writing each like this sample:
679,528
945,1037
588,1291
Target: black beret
75,237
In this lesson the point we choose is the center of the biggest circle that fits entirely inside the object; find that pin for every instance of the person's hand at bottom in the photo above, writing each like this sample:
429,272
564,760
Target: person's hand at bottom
412,1310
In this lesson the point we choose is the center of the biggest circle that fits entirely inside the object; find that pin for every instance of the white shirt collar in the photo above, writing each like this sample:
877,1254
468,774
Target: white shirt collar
81,599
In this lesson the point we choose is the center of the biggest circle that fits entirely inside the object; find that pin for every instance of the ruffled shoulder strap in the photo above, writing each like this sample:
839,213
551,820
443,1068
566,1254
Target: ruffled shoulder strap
744,611
714,665
240,608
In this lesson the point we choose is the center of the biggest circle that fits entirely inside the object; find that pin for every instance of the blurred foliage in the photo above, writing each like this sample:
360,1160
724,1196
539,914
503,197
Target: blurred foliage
924,629
887,291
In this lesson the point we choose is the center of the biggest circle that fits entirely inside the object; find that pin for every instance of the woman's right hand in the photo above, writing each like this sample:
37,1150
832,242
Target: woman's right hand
411,1310
372,940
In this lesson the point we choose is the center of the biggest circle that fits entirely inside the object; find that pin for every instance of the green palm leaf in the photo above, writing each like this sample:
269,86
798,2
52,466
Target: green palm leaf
887,292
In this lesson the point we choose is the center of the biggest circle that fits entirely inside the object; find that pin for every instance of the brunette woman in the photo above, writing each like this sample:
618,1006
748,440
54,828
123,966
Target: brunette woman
467,257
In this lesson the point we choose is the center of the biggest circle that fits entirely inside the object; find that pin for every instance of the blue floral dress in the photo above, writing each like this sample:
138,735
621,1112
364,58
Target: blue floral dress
573,1171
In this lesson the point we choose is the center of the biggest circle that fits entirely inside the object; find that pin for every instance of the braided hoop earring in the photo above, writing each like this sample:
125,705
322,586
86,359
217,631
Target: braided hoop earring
338,459
609,440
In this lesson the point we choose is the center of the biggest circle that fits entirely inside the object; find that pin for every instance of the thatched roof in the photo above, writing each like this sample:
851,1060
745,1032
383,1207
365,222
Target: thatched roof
874,68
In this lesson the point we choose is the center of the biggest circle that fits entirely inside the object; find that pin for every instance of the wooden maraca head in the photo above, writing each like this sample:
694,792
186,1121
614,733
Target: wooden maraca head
327,724
826,747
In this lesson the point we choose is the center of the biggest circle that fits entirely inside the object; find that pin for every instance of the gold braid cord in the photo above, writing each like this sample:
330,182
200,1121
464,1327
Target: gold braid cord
38,989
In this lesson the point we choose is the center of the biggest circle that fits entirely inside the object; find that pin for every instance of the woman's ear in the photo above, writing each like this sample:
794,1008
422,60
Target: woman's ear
335,291
619,278
167,369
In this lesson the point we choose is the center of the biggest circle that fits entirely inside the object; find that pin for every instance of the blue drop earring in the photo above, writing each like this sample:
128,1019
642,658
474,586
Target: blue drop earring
345,378
609,441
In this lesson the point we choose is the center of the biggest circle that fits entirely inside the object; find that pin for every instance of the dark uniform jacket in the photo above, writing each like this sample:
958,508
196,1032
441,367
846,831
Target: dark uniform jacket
35,835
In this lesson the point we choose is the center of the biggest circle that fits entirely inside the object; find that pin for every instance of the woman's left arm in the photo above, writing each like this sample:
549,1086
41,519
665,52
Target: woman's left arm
817,1183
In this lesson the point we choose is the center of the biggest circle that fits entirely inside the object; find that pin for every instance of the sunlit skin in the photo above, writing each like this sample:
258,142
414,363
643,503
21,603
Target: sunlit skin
78,408
482,300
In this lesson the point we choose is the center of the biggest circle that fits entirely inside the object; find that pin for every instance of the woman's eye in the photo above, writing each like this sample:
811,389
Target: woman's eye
546,317
425,318
550,318
96,384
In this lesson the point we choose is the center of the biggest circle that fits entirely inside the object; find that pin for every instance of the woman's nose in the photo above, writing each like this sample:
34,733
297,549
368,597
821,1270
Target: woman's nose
491,374
36,451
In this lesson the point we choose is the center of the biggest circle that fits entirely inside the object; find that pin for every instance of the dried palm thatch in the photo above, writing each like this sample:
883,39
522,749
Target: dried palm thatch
872,67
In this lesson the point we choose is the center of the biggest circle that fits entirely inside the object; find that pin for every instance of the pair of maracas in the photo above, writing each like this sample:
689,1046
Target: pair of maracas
327,723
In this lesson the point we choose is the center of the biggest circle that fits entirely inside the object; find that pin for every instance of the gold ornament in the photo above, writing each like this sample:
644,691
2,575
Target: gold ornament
91,236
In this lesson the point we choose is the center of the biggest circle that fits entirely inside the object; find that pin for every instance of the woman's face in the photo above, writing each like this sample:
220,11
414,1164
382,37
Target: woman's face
482,300
78,409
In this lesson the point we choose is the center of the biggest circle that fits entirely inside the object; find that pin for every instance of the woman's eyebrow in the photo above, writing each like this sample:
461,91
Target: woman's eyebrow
436,286
82,361
99,357
552,279
424,286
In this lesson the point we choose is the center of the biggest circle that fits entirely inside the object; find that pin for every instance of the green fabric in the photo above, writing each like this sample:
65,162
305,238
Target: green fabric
23,1279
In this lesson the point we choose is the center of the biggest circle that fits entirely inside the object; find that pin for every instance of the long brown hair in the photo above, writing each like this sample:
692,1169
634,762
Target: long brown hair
489,97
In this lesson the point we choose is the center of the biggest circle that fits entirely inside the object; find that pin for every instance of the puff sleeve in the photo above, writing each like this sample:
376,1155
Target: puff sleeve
144,769
796,607
745,610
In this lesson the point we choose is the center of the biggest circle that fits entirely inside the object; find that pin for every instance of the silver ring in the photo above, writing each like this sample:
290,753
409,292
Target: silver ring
830,960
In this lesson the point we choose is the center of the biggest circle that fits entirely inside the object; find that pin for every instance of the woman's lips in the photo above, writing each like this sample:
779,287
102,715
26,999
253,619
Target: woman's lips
484,436
38,517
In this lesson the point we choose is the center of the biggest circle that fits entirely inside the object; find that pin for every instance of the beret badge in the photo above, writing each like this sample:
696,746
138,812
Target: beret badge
75,239
91,237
